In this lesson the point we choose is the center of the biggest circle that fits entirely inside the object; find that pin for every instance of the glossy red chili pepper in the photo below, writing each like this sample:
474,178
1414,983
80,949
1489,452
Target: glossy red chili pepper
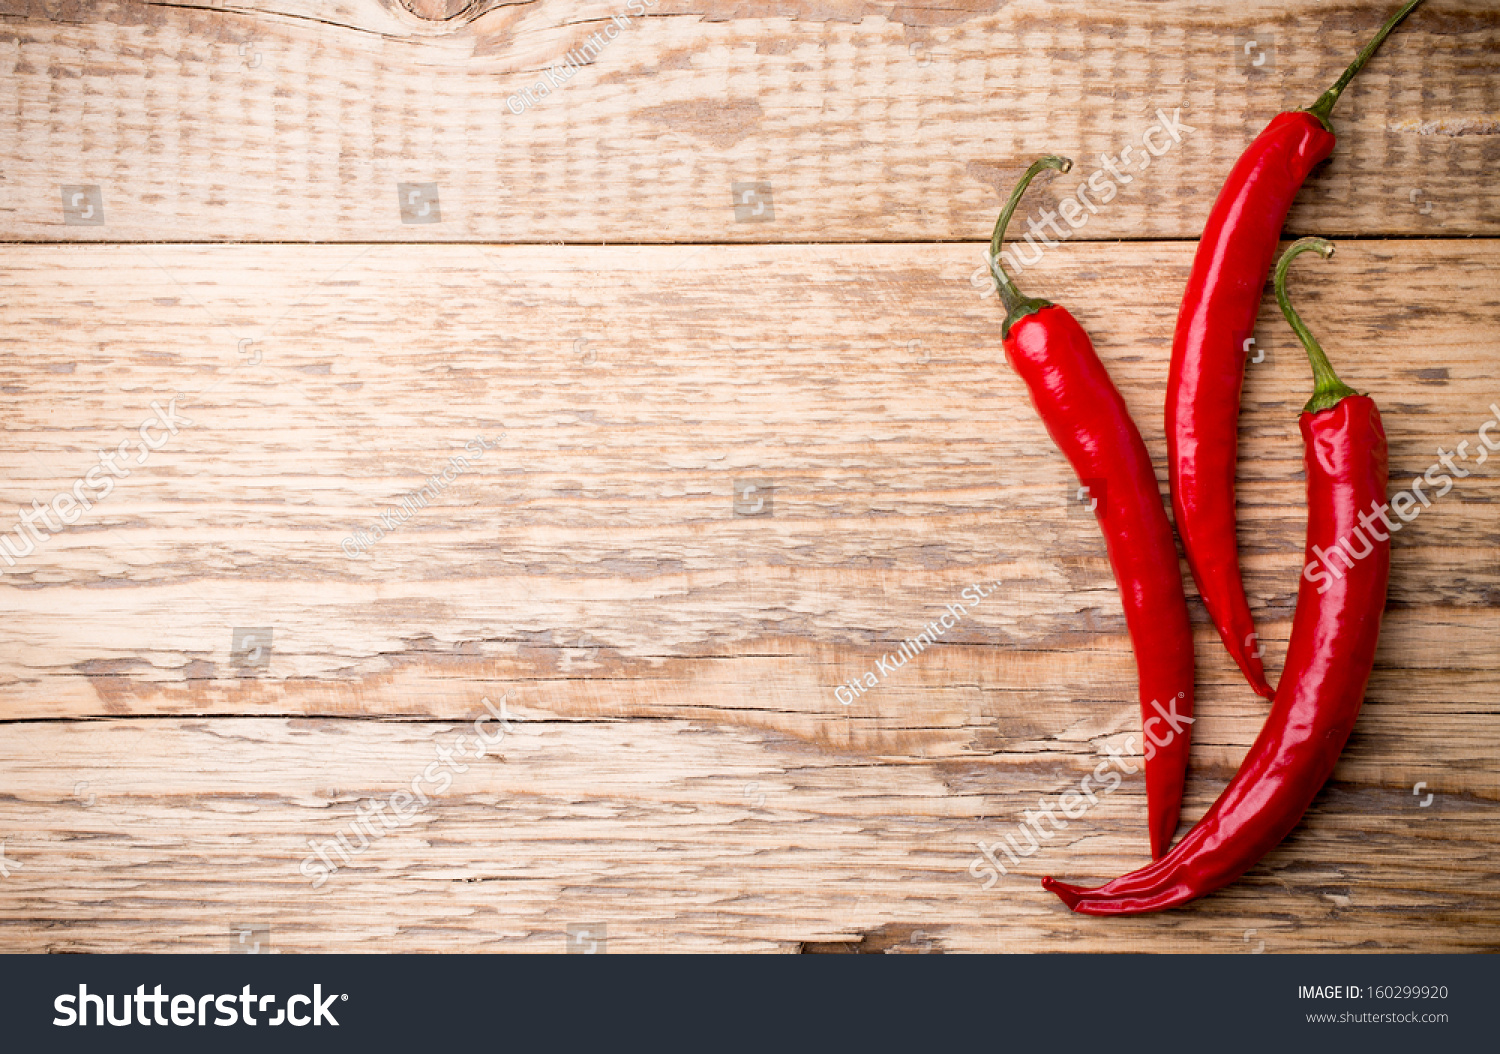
1088,420
1332,650
1209,349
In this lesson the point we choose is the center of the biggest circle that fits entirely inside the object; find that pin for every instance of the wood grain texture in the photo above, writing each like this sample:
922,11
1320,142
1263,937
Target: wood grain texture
681,768
296,121
675,834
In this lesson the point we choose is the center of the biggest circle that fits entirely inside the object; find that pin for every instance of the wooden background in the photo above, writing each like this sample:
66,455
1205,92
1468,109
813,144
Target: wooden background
681,770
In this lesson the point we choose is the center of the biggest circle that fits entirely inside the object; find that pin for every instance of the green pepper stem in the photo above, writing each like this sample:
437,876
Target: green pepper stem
1016,305
1324,106
1327,388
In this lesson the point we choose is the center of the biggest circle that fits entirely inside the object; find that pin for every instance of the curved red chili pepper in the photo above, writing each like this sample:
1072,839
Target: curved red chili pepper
1209,348
1332,651
1088,420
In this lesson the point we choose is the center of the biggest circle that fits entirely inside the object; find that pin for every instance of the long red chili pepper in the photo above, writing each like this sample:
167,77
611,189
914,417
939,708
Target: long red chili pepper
1328,663
1088,420
1210,346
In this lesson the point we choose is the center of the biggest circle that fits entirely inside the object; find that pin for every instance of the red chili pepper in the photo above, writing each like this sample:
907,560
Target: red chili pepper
1332,650
1088,420
1214,330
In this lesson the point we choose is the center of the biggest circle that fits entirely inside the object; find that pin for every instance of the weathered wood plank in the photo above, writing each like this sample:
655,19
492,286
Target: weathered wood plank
298,121
168,834
601,537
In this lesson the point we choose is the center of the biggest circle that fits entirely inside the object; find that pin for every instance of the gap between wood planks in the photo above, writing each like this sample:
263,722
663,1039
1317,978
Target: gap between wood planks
707,244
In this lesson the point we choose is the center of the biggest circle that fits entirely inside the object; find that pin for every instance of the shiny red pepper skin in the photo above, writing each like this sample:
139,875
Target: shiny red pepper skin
1088,420
1331,654
1208,366
1209,349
